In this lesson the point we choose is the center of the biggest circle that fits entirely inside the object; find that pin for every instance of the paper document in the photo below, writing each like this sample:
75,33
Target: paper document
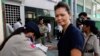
42,47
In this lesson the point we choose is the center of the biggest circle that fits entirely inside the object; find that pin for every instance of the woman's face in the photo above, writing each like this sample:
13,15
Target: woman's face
85,28
41,21
30,34
61,16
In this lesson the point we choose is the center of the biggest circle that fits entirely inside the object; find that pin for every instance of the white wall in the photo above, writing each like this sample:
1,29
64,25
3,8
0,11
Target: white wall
12,3
22,14
1,25
44,4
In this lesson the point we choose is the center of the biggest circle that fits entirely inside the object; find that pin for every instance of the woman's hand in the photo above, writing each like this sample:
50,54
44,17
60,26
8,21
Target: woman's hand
51,47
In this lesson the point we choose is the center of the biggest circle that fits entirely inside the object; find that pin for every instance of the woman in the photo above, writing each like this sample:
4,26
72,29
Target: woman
91,47
19,43
43,30
71,42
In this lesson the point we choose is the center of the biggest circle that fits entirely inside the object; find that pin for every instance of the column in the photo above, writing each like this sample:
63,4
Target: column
71,6
1,24
22,13
75,11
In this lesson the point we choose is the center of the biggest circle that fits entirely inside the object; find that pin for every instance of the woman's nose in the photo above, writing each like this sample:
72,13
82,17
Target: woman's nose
59,17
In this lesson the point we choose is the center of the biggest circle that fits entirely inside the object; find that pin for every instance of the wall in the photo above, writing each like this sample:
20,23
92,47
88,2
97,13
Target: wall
44,4
1,25
80,2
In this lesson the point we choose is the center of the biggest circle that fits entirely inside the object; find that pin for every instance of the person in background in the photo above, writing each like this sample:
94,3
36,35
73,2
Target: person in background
18,24
91,47
49,31
43,30
81,17
19,44
71,42
9,29
59,31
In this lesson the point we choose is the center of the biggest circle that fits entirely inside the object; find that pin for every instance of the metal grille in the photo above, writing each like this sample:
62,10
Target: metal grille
12,12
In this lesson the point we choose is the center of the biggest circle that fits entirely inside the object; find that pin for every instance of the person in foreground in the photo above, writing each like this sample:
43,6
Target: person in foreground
71,42
19,43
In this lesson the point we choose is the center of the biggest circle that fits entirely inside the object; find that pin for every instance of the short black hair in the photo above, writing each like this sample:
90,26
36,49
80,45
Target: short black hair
89,23
92,25
18,19
82,13
64,5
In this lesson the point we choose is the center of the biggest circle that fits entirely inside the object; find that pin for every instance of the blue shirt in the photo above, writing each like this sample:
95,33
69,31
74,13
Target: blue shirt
72,38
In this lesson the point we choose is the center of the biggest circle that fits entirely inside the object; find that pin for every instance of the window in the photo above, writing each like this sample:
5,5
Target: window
88,10
12,12
79,8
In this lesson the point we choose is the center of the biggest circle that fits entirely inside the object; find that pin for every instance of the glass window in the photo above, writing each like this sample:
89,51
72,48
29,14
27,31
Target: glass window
98,11
79,8
88,10
67,1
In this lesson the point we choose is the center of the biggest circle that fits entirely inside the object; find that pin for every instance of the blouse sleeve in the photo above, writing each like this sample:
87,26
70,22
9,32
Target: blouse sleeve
77,41
96,46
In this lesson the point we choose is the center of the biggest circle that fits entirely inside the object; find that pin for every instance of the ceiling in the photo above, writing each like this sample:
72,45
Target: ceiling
97,1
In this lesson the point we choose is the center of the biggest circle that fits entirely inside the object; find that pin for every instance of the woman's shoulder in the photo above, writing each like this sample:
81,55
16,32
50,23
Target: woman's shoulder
94,37
18,37
75,30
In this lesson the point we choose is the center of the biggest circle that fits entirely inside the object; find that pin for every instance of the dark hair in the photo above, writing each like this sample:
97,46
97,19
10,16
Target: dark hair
91,23
40,18
18,19
82,13
34,27
29,27
63,5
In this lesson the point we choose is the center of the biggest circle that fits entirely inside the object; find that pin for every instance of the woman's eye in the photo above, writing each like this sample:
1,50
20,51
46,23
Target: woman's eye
62,14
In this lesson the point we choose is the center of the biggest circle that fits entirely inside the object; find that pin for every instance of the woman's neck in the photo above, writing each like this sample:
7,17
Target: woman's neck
88,33
66,26
41,24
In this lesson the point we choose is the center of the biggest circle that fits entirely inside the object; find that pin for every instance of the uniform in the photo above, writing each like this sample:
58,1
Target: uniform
92,44
43,30
19,45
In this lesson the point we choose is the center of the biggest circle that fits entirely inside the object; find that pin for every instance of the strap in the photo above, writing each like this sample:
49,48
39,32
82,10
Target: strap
84,48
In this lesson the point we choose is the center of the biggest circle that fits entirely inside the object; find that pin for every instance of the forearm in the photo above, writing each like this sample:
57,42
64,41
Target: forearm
76,52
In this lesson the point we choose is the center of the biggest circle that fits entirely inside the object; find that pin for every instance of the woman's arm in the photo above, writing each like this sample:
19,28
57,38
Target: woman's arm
52,47
96,47
76,52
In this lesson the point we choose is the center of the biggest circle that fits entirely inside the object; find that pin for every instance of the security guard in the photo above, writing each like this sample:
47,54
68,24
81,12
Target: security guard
19,44
91,47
